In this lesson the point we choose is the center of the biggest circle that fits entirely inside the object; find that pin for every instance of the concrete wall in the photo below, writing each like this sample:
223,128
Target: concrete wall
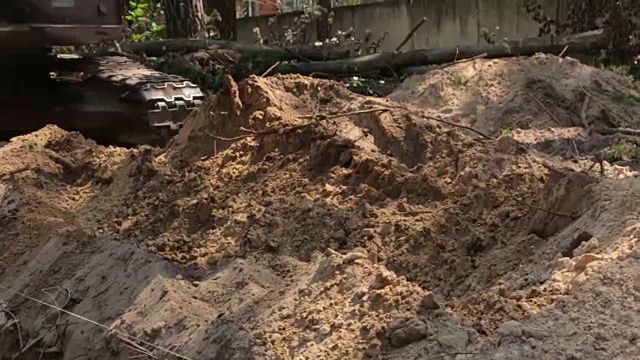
449,22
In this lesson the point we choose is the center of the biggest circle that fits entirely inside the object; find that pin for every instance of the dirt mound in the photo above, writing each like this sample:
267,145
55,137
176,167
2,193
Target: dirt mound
500,95
292,219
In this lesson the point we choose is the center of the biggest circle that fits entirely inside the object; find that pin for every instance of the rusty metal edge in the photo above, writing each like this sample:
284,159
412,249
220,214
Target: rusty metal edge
44,35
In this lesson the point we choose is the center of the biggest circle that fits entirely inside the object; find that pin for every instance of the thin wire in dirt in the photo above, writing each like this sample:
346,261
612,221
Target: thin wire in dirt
123,334
570,216
15,322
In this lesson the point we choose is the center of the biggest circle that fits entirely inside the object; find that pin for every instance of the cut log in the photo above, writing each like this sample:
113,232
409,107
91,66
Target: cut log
578,43
304,52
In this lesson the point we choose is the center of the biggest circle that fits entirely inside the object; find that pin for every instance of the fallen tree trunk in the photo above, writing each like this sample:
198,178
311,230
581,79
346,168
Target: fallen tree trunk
303,52
583,42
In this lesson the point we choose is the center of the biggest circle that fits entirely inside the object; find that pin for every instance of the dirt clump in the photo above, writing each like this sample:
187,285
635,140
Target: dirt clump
294,219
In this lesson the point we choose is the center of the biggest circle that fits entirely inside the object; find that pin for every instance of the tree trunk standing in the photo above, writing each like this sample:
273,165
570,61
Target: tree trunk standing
227,25
185,18
323,29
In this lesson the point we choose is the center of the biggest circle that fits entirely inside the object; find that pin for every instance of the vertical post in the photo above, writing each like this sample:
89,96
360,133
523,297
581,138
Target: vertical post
479,14
323,29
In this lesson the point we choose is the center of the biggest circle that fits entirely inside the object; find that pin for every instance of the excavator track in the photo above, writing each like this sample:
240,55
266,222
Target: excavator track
168,99
111,98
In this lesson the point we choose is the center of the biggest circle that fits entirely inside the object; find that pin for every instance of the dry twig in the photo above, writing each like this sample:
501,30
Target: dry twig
316,118
54,326
598,159
135,347
545,210
16,171
439,120
58,159
583,112
410,34
563,51
602,105
270,69
461,61
612,131
544,108
15,322
458,126
341,114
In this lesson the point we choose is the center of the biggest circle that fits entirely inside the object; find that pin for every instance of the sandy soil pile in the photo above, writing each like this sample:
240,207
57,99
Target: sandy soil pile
542,91
293,219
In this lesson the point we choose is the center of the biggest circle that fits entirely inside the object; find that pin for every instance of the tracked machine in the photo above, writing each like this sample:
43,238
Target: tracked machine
109,97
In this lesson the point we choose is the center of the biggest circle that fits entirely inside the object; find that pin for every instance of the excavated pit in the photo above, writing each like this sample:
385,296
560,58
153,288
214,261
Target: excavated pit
292,218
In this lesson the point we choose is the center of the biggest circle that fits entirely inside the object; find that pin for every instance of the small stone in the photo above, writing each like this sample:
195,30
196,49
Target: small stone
575,356
385,229
383,279
587,247
429,302
510,328
360,250
373,349
582,261
564,263
503,214
368,233
272,243
473,335
324,329
372,257
456,338
412,331
506,144
397,324
178,277
578,281
353,256
155,330
535,333
338,234
330,252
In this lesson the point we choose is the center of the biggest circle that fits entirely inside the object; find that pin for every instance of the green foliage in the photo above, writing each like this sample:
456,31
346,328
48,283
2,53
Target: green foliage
144,18
625,151
370,86
300,34
490,37
621,17
206,75
459,81
623,70
337,3
507,130
625,99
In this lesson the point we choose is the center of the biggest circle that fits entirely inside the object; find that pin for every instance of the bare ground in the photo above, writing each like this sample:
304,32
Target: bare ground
293,219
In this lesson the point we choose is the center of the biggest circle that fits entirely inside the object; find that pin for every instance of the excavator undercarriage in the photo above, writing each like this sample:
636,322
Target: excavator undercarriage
110,98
